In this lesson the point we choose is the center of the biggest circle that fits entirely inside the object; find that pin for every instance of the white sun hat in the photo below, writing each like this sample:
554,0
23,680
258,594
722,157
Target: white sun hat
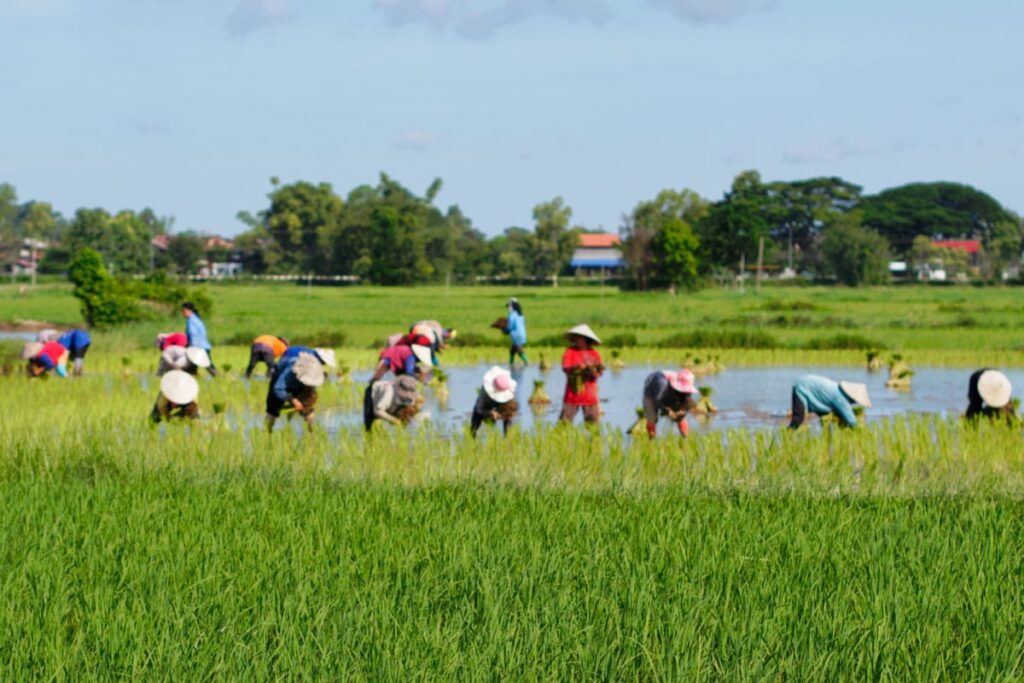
179,387
197,357
499,385
47,335
327,357
309,370
856,391
994,388
585,331
31,350
423,354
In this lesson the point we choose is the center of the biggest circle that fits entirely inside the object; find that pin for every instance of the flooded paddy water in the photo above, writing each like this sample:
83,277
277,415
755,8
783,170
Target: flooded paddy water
750,397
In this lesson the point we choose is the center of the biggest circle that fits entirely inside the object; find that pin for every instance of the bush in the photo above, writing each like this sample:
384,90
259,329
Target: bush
853,342
621,340
472,340
787,306
721,339
323,338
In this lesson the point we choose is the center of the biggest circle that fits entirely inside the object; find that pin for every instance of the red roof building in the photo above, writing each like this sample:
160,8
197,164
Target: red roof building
597,252
969,246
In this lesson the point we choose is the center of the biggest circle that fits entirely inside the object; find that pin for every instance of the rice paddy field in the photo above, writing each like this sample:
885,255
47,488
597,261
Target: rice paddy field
216,551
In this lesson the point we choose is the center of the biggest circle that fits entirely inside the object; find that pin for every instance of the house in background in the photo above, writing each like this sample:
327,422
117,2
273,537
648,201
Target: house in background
597,254
970,247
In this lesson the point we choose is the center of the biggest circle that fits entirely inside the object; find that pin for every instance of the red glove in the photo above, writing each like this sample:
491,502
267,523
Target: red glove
651,429
684,427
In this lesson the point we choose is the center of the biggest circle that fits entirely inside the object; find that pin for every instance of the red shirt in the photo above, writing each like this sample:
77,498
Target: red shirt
174,339
572,358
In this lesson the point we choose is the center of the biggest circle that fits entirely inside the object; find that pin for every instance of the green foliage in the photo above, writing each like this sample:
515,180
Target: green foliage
720,339
855,254
185,250
554,241
675,255
647,258
734,226
621,340
845,340
946,210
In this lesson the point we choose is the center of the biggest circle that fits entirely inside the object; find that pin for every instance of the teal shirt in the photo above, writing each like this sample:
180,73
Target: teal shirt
823,396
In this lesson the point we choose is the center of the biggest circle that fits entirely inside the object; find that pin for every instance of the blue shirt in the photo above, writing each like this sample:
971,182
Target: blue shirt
516,327
195,330
823,396
286,384
294,351
74,340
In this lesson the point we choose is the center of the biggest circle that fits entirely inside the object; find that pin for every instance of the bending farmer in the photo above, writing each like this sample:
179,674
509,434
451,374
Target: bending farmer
823,396
989,394
669,393
496,401
396,401
177,400
293,385
266,349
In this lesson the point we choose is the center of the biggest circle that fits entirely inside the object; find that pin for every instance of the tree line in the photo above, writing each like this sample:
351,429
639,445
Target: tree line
824,228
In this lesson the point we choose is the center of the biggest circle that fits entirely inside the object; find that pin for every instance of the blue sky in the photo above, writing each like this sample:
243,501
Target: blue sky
190,106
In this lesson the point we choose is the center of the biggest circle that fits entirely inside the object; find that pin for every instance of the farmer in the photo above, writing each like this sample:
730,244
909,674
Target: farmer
671,393
171,339
582,365
395,401
293,384
325,356
187,359
195,330
822,396
266,349
45,357
177,400
77,343
515,328
496,400
988,395
442,334
413,358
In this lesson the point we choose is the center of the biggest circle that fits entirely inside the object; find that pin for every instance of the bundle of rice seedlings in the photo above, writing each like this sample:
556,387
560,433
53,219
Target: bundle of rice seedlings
899,374
639,428
874,360
539,395
617,362
704,405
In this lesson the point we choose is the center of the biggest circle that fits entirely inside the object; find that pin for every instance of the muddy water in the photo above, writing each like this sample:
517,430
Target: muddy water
746,397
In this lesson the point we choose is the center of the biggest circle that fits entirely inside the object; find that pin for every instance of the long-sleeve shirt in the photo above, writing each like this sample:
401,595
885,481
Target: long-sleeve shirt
74,340
175,358
286,384
293,352
823,396
195,330
660,397
50,355
586,395
273,343
399,359
174,339
516,327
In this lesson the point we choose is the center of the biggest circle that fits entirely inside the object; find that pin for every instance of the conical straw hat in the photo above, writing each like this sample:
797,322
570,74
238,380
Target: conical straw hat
994,388
309,370
179,387
31,350
856,391
585,331
198,357
423,354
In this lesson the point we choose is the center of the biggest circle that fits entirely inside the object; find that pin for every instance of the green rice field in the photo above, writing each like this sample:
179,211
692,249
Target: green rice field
214,551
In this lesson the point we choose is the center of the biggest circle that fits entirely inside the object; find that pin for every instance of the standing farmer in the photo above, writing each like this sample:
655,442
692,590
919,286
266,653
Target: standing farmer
77,343
195,330
177,400
294,384
823,396
988,395
496,401
45,357
266,349
668,393
516,330
582,366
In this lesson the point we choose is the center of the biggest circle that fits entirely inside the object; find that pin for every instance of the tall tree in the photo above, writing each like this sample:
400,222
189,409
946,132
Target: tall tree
675,254
641,227
855,254
302,219
185,251
799,209
554,241
38,224
735,225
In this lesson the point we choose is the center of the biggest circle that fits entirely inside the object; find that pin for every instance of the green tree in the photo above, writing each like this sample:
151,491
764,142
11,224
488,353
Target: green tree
185,250
512,251
855,254
8,212
798,209
641,227
734,226
554,241
936,210
675,254
38,224
302,220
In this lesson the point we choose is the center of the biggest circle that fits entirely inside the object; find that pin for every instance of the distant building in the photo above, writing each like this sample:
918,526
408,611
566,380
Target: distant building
970,247
597,253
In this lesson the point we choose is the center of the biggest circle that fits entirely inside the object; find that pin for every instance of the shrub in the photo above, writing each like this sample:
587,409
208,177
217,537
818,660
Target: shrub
786,306
621,340
721,339
324,338
470,340
853,342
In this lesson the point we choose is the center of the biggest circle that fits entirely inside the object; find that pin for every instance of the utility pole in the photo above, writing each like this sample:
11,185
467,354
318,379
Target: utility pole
760,262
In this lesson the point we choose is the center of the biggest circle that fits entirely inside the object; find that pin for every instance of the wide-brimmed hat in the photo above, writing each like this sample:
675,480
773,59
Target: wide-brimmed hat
994,388
423,354
31,350
197,357
499,385
406,390
585,332
327,357
681,380
47,335
309,370
857,392
179,387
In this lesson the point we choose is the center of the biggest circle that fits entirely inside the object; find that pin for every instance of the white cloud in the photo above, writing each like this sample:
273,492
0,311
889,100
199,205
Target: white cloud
254,15
711,11
480,19
416,140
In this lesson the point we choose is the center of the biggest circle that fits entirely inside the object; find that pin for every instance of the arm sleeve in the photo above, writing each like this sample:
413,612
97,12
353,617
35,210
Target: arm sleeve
410,365
845,412
567,363
280,387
